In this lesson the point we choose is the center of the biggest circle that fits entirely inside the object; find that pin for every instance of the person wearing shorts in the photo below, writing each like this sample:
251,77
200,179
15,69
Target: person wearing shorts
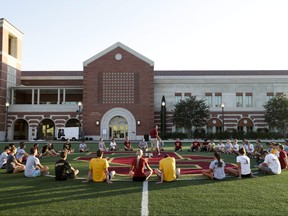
33,166
167,170
63,169
137,168
243,166
98,169
155,139
12,165
271,164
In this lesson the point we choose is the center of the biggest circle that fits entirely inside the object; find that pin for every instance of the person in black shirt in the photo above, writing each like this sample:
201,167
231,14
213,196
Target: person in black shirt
64,170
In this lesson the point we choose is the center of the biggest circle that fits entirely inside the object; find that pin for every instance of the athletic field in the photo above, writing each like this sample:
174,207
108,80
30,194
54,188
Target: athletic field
191,194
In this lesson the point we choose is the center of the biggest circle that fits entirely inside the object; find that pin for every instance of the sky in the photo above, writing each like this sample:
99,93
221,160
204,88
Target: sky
176,35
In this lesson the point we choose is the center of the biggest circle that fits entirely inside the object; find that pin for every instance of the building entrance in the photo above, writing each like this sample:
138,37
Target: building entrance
118,127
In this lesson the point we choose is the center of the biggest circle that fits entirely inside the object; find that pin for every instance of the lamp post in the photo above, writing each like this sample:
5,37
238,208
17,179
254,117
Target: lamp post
6,121
163,104
223,122
79,118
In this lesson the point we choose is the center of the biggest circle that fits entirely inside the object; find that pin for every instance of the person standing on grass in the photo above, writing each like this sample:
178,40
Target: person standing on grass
98,169
283,157
3,157
216,168
33,166
63,169
137,168
155,140
271,164
243,164
167,170
12,165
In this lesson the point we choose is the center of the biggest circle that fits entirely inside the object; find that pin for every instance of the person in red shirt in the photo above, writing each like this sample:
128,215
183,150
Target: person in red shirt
128,145
178,145
137,168
283,157
194,146
155,140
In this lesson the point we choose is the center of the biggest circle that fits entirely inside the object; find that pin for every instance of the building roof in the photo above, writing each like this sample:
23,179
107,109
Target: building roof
118,44
220,72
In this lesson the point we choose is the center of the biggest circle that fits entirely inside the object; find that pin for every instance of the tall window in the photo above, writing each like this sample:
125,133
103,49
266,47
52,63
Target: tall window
208,99
218,99
178,97
239,99
249,100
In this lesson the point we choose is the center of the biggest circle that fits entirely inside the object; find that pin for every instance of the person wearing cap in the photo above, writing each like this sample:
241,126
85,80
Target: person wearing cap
283,157
271,164
98,169
167,170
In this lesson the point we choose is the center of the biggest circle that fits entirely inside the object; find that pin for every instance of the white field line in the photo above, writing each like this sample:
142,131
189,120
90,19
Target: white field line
144,203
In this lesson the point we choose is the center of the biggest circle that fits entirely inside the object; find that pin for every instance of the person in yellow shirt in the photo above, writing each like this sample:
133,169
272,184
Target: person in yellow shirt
167,170
98,169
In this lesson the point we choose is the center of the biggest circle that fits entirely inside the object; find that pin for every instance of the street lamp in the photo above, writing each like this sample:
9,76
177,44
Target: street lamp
6,121
223,122
79,118
163,104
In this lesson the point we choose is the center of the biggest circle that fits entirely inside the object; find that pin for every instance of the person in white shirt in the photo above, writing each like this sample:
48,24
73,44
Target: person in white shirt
113,145
243,166
101,145
216,168
21,154
271,164
235,147
220,146
33,166
143,145
3,157
83,147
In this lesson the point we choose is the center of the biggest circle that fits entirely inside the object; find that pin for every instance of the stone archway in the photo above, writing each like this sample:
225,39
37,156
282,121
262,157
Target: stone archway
21,129
110,114
46,129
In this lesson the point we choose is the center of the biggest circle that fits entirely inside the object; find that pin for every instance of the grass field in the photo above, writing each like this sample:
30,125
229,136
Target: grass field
265,195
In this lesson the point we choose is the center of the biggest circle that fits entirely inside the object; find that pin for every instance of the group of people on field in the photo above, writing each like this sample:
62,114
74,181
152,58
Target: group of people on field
271,161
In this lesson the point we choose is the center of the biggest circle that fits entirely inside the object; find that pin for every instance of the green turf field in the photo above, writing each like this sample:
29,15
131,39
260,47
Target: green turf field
265,195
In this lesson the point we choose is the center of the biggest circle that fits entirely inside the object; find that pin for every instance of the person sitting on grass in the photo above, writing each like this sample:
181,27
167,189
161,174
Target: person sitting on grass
128,145
211,146
12,165
243,166
83,147
275,148
3,157
178,145
283,157
143,145
113,145
271,164
216,168
258,151
48,150
220,146
33,166
195,145
137,168
235,147
98,169
36,145
228,147
101,145
68,147
167,170
63,169
21,154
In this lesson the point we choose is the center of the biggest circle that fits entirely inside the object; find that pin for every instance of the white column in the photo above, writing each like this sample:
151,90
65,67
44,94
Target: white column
38,96
33,97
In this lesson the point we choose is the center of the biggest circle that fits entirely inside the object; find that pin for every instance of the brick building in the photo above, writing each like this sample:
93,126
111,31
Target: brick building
120,94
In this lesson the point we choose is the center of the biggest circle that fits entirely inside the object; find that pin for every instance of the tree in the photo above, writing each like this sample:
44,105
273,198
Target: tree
276,112
190,113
